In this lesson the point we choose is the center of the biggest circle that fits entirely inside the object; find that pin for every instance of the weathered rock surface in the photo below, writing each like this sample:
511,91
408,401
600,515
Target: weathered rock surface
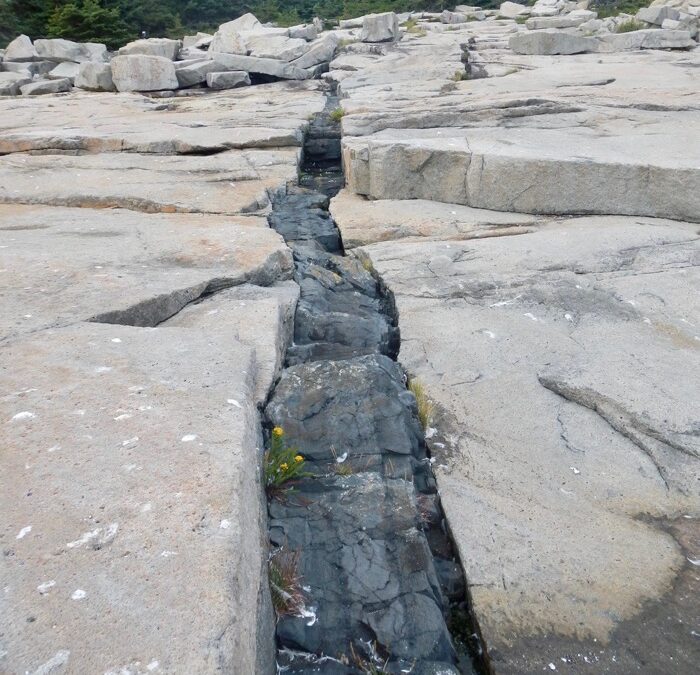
163,47
64,70
561,353
140,72
603,430
550,42
20,49
66,50
46,87
531,141
10,83
248,118
95,77
647,39
230,80
138,347
113,531
380,27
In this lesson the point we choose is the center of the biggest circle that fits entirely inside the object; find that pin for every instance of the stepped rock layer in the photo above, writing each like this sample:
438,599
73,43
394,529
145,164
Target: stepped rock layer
137,343
561,349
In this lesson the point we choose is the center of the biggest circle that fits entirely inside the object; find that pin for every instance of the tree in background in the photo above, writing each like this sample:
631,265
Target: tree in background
88,21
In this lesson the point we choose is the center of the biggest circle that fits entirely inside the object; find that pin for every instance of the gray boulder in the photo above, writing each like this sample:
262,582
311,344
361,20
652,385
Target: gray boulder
65,70
320,51
276,47
20,49
195,72
550,42
10,83
257,66
95,77
380,28
452,17
228,38
200,39
306,31
65,50
544,22
229,80
510,10
46,87
140,72
656,15
29,67
164,47
650,38
691,24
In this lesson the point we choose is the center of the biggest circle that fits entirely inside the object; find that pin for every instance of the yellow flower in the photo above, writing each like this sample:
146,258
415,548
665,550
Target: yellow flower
278,431
298,458
284,466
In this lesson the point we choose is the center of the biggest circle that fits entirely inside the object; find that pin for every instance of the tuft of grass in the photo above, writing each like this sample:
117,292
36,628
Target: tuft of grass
412,27
337,114
372,664
341,468
521,19
285,582
426,408
459,76
630,26
282,466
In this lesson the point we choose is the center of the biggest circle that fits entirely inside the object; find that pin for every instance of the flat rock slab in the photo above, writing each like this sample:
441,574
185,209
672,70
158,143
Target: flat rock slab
263,116
130,485
231,182
62,265
651,171
364,221
567,447
562,135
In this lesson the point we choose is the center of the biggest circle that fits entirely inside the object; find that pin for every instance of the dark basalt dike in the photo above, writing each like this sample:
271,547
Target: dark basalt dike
382,582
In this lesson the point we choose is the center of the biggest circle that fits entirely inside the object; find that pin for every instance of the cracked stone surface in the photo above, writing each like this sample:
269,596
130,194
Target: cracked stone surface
561,349
146,313
568,438
566,135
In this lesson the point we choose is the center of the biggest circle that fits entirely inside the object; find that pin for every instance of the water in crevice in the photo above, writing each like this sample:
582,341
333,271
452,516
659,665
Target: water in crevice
383,589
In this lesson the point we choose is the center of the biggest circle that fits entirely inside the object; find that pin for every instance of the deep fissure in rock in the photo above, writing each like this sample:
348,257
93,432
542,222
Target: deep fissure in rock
382,585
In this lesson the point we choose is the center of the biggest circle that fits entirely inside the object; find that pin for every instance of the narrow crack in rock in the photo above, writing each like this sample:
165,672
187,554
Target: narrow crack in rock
382,581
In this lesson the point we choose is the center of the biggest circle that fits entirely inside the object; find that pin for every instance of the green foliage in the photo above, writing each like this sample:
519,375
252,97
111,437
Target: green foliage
337,114
629,26
118,21
285,582
607,8
282,465
87,21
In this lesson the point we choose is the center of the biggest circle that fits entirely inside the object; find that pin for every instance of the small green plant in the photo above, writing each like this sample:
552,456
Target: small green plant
426,408
459,76
412,27
337,114
629,26
283,465
520,19
285,582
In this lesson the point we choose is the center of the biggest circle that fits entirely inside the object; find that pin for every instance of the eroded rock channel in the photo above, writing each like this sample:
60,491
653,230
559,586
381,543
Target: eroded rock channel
383,588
